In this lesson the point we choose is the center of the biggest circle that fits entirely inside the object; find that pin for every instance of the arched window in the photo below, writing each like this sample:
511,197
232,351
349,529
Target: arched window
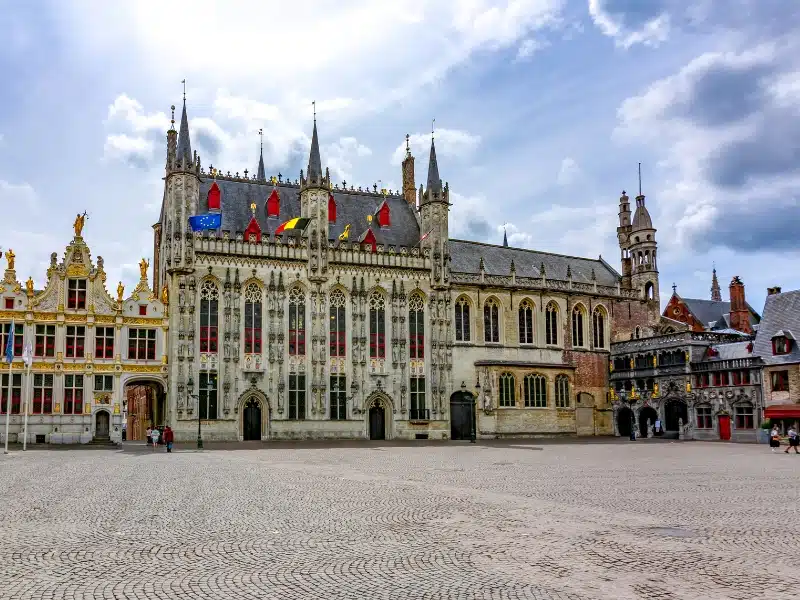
638,332
649,290
562,391
599,327
297,322
416,327
252,319
526,322
551,324
377,325
209,307
338,324
491,321
577,326
534,391
462,320
508,390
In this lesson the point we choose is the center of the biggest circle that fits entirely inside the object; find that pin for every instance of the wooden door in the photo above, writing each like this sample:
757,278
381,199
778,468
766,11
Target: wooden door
252,420
101,424
377,428
724,427
462,415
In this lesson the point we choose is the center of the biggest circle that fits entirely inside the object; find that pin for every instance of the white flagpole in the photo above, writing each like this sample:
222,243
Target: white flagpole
29,363
8,401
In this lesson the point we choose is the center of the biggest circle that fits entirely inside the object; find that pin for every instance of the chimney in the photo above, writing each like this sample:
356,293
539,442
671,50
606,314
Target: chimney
740,314
773,290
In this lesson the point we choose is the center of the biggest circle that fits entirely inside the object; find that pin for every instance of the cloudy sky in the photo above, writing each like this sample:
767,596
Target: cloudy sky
543,109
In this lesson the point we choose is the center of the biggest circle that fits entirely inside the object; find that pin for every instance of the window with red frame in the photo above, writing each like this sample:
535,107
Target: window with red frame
142,310
703,380
16,394
704,420
209,306
9,303
73,394
744,416
338,325
297,322
45,342
331,209
104,342
720,379
780,381
75,339
781,345
252,319
416,327
142,344
377,326
18,338
42,394
76,294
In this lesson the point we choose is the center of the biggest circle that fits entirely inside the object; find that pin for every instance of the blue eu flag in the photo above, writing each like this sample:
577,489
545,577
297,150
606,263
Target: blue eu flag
10,344
209,221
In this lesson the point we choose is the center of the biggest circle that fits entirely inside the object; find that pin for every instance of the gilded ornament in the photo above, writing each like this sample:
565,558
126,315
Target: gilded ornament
10,256
78,224
29,286
120,291
164,295
143,266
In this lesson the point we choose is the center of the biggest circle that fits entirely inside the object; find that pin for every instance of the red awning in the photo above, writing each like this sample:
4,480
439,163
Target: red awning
782,411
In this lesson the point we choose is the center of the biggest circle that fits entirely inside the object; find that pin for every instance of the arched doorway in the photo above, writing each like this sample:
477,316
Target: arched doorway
251,420
462,416
674,410
624,421
144,405
377,421
647,413
102,420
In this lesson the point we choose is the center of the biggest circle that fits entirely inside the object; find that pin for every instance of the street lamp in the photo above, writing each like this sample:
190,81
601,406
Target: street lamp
190,387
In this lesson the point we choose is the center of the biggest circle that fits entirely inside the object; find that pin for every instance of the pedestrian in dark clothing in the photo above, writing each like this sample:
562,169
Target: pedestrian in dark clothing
794,440
169,437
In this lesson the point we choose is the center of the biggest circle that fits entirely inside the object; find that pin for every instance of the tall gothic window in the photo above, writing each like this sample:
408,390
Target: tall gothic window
508,391
534,391
16,393
551,324
297,322
338,324
462,320
491,321
297,396
526,322
417,398
416,327
599,327
76,293
73,394
338,392
377,325
577,326
207,396
252,319
562,391
209,308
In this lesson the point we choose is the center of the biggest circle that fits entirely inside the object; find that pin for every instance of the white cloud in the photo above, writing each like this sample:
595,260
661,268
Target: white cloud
340,155
18,196
449,143
569,171
650,31
529,47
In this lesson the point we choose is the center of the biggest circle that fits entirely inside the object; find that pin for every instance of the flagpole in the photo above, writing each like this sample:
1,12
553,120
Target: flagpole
8,401
27,400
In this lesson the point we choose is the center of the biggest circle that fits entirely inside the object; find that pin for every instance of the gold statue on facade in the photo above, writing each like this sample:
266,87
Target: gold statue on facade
164,295
29,286
78,225
143,266
10,256
120,292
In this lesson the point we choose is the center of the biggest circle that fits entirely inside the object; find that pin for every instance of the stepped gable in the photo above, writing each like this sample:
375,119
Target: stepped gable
466,257
352,207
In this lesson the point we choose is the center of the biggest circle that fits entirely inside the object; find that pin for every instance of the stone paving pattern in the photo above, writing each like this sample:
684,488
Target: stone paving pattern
511,520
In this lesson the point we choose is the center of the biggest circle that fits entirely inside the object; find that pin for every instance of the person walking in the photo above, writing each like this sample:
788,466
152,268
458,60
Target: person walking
774,438
168,438
155,434
794,440
148,435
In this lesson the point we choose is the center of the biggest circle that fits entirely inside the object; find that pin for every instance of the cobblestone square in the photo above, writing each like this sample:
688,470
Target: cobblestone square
501,520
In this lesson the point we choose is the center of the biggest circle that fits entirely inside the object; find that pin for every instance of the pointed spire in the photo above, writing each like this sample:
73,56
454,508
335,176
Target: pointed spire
505,238
260,175
716,294
434,181
184,144
314,160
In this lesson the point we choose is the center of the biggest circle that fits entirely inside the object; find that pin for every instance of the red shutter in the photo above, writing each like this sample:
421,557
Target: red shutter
253,228
384,219
273,204
331,209
214,197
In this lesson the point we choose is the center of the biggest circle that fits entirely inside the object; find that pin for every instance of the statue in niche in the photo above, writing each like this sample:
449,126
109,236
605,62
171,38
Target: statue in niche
120,292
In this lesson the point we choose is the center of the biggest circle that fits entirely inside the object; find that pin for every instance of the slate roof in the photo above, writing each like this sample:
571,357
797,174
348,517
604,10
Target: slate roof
184,150
781,312
466,258
718,313
351,207
733,350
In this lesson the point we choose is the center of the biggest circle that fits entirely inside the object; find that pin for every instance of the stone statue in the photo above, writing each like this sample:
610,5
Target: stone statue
120,291
143,265
164,295
78,225
29,286
10,256
681,433
649,428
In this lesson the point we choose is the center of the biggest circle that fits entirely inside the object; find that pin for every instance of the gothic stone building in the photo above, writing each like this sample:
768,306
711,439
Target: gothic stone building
88,348
373,323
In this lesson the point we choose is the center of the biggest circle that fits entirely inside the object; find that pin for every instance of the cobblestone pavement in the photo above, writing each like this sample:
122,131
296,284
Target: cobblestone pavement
460,521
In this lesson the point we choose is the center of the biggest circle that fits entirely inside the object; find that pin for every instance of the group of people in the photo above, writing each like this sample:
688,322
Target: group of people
792,434
156,436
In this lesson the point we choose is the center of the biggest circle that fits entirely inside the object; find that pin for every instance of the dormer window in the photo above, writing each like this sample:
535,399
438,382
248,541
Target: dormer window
9,303
214,197
273,205
331,209
76,294
781,344
384,218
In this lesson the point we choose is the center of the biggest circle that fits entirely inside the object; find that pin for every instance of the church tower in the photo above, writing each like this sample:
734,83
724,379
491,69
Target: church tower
716,293
315,191
638,247
434,206
623,234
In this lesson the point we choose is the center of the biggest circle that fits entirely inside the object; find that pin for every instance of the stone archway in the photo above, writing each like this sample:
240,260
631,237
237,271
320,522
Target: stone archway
102,425
624,421
378,417
675,410
254,416
647,413
144,405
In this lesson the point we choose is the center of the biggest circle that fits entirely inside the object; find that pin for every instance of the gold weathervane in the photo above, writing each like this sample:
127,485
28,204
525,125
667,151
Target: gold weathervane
78,224
345,234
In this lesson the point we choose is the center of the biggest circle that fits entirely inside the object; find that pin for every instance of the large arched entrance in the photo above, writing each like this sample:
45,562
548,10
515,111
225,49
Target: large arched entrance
102,422
673,411
624,421
144,405
648,413
377,423
251,420
462,416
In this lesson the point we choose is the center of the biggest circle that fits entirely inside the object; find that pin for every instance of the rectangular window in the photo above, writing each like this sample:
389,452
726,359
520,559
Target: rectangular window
781,345
103,383
780,381
534,391
704,417
76,336
417,398
9,303
338,394
208,324
744,417
338,333
297,329
377,333
297,396
76,293
16,394
208,396
142,344
142,310
45,343
720,379
416,334
42,394
104,342
462,321
18,338
252,327
73,394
